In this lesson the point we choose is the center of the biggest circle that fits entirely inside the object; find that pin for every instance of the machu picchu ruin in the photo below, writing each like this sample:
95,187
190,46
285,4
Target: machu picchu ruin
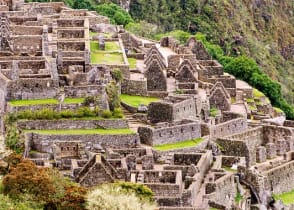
100,104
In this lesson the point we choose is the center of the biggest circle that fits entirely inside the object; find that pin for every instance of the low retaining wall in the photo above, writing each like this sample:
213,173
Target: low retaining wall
71,124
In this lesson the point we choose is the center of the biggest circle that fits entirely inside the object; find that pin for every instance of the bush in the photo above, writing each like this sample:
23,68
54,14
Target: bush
116,14
12,139
117,75
113,96
111,196
66,114
142,191
84,112
106,114
117,113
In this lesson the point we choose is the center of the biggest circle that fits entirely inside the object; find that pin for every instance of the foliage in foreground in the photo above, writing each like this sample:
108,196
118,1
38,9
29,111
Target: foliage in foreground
109,197
42,187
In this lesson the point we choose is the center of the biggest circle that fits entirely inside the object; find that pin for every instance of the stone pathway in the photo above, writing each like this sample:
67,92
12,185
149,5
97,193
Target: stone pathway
133,123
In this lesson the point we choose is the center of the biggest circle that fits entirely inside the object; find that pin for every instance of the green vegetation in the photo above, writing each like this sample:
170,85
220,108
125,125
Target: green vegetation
48,101
229,169
178,145
257,93
135,101
238,197
28,187
250,100
287,198
278,110
246,68
132,62
109,46
119,196
106,58
111,55
116,14
83,132
213,112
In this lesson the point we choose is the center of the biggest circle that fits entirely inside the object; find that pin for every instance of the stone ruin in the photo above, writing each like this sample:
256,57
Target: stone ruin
45,53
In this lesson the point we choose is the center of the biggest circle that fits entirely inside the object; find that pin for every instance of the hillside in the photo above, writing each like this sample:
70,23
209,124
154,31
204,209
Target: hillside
261,29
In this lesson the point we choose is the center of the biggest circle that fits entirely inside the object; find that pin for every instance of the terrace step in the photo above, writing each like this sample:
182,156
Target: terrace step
133,123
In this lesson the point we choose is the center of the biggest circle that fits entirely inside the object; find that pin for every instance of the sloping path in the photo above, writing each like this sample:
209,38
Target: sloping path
133,123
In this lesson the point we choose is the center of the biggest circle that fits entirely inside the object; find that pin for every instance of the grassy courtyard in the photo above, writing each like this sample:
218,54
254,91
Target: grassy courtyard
111,54
287,198
132,62
47,101
179,145
109,46
83,132
135,101
106,58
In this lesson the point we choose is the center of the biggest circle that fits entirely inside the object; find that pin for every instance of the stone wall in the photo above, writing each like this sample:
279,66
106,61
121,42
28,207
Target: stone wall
172,133
222,190
134,87
280,179
44,143
71,124
228,128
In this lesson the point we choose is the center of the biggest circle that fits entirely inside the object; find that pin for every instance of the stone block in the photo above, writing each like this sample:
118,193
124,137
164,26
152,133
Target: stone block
261,154
271,150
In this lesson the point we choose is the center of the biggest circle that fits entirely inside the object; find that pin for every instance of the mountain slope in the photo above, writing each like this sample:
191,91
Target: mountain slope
261,29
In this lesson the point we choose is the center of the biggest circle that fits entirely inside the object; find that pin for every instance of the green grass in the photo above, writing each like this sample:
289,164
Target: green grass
132,62
135,101
257,93
73,100
213,112
106,58
287,198
278,110
83,132
44,101
249,100
238,197
179,145
228,169
109,46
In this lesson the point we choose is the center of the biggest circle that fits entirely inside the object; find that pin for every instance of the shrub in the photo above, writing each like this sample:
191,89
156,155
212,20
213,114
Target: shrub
106,114
113,96
26,114
213,112
111,196
117,113
142,191
13,140
117,75
84,112
66,114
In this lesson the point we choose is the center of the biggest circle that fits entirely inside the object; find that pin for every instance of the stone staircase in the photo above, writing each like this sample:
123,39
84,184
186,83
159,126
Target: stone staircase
133,123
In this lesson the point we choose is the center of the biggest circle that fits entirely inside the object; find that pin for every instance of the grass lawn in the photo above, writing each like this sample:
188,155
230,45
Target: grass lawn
135,101
287,198
106,58
109,46
44,101
132,62
227,168
178,145
83,132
